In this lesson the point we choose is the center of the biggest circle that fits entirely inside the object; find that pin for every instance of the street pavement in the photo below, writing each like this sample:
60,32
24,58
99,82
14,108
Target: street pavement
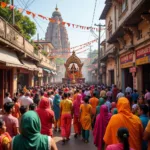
74,144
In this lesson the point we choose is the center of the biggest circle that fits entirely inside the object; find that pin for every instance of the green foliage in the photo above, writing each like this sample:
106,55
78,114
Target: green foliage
25,25
60,61
44,53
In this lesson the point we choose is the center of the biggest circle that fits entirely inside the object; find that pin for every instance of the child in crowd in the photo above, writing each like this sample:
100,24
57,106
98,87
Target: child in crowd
123,136
5,138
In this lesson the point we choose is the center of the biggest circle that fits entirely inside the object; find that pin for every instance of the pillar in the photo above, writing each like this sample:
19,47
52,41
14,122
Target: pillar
15,81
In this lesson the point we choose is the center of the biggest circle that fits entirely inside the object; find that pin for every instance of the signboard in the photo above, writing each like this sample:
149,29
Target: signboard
126,61
143,55
143,60
133,70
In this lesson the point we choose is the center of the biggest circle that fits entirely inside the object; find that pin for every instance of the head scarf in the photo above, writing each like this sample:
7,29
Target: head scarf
113,105
123,107
100,126
44,103
30,137
115,111
56,107
101,102
76,105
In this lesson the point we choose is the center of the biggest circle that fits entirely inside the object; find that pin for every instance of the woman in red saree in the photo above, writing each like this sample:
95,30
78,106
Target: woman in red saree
46,116
76,112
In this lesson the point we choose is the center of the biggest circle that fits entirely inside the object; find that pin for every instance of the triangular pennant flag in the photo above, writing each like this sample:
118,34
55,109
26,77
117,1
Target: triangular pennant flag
51,20
33,15
3,4
73,25
63,23
28,12
11,7
68,24
20,10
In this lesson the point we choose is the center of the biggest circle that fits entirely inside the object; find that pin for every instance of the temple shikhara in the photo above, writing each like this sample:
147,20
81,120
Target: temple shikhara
73,74
57,34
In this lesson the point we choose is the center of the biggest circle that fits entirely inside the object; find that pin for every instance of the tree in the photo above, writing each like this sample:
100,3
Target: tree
26,27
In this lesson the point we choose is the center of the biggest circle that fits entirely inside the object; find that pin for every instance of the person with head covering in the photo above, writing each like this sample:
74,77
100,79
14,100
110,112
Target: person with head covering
66,118
101,102
126,119
100,126
56,109
123,139
76,112
85,119
115,111
30,137
113,106
46,116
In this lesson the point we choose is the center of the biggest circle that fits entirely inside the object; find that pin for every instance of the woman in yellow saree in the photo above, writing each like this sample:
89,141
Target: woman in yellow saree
85,119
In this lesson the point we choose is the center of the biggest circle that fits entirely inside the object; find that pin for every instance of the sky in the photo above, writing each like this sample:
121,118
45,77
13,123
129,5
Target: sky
74,11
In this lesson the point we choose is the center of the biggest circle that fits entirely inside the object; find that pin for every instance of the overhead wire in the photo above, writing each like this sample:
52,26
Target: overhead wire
22,1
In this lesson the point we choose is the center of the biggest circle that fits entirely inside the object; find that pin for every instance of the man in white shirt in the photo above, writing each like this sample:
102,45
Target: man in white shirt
7,98
120,94
87,92
128,89
26,101
21,96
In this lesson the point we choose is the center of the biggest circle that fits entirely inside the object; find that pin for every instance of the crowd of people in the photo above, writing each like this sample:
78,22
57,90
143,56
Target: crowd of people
117,120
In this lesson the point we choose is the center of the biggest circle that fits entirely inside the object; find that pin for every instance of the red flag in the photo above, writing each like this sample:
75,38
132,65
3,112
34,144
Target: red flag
28,12
33,15
68,24
3,4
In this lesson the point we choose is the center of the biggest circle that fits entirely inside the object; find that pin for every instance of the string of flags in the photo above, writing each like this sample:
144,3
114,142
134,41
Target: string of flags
52,20
77,48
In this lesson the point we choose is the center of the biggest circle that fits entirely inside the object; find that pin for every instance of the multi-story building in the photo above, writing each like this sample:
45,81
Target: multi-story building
20,63
127,50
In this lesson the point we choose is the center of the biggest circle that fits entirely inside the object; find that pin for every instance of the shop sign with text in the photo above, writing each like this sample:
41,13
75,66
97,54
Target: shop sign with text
143,55
126,61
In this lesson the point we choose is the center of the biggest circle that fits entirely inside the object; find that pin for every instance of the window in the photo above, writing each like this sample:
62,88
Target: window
123,6
109,27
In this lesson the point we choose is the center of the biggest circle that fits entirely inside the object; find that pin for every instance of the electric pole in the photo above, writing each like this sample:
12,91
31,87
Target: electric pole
13,12
99,53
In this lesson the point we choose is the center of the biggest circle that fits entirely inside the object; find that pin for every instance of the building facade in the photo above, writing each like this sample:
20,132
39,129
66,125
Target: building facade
127,43
20,64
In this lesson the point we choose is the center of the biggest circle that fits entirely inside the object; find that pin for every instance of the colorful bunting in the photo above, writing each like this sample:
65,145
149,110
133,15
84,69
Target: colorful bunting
52,20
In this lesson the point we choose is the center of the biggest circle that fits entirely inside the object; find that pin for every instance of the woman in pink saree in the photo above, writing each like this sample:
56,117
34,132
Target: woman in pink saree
100,126
76,112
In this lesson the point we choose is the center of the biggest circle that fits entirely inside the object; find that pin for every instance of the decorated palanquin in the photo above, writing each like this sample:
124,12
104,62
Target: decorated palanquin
73,74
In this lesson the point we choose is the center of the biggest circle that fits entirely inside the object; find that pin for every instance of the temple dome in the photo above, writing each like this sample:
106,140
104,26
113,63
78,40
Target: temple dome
56,12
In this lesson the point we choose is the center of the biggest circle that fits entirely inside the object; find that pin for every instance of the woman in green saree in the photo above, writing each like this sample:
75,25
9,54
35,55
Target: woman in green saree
30,137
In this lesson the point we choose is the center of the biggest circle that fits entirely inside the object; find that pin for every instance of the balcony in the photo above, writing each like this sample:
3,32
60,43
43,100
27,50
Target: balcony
45,62
132,17
12,38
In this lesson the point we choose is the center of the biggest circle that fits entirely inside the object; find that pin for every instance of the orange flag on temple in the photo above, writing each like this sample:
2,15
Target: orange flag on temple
3,4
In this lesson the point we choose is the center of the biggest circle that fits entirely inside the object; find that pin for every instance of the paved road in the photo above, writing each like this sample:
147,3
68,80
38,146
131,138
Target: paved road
74,144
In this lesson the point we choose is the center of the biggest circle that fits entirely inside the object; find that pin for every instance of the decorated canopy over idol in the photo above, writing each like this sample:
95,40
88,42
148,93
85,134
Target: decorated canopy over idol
73,72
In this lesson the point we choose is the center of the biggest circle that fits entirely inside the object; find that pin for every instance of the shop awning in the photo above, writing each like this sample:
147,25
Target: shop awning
10,58
30,65
47,70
